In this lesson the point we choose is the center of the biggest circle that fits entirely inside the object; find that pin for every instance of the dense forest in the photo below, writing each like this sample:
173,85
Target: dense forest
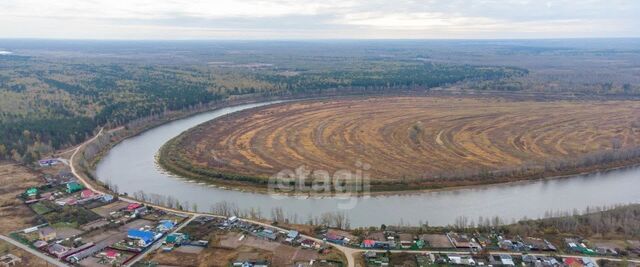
55,93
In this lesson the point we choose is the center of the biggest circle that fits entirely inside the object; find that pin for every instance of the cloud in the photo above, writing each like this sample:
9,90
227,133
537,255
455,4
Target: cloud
266,19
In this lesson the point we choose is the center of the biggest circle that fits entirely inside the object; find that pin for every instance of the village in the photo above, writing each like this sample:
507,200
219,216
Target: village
81,227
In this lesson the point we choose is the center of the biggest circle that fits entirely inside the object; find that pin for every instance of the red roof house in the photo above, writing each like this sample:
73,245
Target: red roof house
87,193
111,254
133,206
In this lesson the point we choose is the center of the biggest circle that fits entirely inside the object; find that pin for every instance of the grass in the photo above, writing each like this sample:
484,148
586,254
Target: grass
40,208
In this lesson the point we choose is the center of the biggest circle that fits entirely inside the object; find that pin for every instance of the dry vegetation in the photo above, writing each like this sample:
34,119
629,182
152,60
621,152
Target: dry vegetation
14,179
27,259
407,138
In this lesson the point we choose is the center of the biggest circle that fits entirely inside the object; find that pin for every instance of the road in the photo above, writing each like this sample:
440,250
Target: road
38,254
347,251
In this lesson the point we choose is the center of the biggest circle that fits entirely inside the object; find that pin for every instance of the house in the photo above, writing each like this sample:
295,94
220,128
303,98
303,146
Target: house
165,225
375,259
73,187
70,201
576,246
57,250
307,243
506,260
267,234
136,208
249,260
144,238
106,198
111,254
87,193
573,262
406,240
368,243
292,235
40,244
47,234
462,241
10,260
176,238
588,262
31,192
133,206
48,162
334,238
461,259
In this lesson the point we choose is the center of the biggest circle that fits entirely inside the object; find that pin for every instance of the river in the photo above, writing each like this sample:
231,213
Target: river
131,165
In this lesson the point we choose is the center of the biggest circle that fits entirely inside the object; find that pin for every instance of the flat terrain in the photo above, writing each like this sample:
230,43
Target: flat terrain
14,180
405,138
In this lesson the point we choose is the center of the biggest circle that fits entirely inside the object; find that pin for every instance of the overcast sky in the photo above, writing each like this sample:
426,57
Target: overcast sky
317,19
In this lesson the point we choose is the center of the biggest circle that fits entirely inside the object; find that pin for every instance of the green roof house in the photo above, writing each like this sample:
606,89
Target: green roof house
32,192
74,187
176,238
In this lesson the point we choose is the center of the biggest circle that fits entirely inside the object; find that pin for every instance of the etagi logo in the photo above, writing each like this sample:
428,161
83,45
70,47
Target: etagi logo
304,182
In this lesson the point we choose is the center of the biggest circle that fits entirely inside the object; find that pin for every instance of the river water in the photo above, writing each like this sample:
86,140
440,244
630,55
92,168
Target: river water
131,165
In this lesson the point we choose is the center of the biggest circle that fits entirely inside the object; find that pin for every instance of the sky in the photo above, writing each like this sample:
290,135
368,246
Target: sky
319,19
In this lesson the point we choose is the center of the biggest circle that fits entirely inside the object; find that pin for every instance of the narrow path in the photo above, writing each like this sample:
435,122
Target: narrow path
38,254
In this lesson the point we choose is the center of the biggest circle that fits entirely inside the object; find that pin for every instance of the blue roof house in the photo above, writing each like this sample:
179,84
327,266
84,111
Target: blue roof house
165,225
144,238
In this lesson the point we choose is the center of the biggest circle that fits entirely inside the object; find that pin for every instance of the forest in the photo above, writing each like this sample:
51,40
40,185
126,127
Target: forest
54,94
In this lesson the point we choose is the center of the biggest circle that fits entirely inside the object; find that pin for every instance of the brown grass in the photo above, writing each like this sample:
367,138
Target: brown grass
14,179
408,137
27,258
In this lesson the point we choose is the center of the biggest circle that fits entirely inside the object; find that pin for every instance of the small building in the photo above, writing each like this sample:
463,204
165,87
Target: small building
292,235
176,238
165,225
249,260
144,238
87,193
73,187
406,240
106,198
461,259
47,234
111,254
334,238
267,234
506,260
307,243
70,201
48,162
58,250
31,192
368,243
9,260
39,244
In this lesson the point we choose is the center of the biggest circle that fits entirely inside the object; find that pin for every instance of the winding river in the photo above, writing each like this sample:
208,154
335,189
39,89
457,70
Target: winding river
131,166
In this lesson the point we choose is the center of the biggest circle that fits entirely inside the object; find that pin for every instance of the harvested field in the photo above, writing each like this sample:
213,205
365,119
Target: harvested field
406,139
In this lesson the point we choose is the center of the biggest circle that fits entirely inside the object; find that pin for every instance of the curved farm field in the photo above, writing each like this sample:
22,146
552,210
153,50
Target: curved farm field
412,142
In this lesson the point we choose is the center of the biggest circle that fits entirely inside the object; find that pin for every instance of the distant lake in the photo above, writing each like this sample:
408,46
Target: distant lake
131,165
2,52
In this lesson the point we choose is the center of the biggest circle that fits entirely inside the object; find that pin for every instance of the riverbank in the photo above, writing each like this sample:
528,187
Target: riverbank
171,157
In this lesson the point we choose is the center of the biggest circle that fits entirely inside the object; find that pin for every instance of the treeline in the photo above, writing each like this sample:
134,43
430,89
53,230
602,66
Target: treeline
58,104
69,102
622,221
426,75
